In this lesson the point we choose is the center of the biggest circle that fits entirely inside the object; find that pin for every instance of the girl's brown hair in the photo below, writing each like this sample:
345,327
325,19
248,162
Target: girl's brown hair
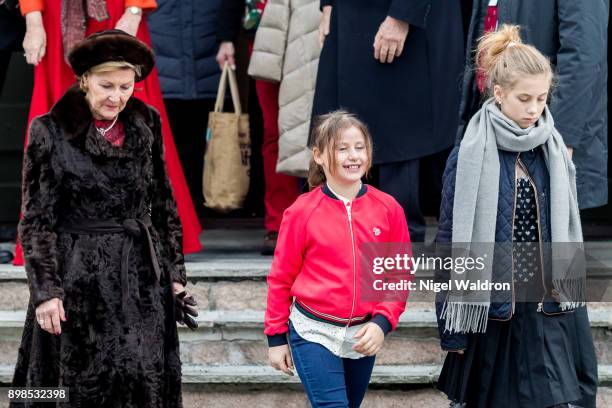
325,134
503,57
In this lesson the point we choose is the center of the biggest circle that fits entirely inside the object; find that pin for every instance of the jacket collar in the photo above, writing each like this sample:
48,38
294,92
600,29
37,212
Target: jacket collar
326,190
74,117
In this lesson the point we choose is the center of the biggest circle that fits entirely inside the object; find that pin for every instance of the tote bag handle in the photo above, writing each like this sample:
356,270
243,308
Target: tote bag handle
228,74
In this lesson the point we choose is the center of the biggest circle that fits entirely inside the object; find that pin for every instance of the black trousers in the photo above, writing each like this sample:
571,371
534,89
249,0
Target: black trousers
12,30
416,185
188,121
5,59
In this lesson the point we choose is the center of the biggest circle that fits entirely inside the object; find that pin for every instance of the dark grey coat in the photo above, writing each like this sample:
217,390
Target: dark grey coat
573,34
408,104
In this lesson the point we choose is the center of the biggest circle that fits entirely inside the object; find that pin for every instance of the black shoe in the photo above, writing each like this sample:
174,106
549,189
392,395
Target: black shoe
6,257
269,243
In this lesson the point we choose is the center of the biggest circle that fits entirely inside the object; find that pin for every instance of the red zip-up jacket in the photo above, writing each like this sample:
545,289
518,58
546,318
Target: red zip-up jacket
318,260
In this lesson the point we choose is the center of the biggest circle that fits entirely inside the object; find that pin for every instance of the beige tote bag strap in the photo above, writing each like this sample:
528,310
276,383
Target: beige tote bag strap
228,72
221,90
234,91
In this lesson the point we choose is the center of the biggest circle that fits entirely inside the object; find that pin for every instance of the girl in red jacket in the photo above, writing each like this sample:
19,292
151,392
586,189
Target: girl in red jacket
316,303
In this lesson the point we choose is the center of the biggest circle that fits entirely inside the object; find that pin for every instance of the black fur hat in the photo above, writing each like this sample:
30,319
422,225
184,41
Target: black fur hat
111,45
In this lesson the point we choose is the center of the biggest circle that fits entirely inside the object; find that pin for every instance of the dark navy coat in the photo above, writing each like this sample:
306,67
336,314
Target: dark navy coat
535,164
408,104
184,36
573,35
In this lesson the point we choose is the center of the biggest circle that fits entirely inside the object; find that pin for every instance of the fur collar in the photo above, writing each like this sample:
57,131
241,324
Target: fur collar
73,115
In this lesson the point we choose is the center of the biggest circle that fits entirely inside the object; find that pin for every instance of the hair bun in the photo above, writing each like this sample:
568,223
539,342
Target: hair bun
493,44
503,58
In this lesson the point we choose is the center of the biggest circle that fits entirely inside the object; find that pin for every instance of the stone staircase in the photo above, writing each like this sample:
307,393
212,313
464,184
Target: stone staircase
225,360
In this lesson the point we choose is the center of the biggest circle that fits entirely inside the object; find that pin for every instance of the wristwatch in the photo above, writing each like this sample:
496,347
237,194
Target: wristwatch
137,11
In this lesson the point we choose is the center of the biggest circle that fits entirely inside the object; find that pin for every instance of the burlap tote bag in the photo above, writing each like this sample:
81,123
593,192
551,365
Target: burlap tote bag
228,151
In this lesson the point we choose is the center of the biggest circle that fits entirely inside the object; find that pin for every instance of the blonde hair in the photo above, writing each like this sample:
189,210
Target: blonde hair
503,57
325,135
108,66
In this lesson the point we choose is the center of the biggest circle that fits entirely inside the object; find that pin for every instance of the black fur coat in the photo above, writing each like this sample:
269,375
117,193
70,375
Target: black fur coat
113,351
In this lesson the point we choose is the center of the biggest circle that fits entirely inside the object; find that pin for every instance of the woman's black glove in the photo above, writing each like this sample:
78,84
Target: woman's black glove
184,309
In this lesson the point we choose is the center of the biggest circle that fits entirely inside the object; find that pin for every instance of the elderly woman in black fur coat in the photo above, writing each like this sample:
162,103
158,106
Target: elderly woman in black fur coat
102,240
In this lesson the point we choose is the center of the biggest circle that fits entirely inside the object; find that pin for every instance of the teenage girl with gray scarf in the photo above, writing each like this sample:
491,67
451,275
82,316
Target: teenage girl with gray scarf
511,180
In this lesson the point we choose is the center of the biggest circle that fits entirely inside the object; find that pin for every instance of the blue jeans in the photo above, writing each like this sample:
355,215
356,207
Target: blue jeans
329,380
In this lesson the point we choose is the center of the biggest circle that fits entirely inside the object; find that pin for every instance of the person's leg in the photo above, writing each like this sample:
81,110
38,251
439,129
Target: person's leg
401,180
280,190
5,59
357,377
430,178
188,121
321,372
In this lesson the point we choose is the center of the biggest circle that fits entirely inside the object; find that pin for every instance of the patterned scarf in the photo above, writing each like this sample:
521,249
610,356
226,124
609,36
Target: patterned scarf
252,15
74,20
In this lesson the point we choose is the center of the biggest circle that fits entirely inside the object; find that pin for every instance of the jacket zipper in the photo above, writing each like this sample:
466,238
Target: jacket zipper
348,212
535,190
512,257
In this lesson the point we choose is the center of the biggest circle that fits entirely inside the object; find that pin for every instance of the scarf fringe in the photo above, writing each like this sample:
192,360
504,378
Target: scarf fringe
572,292
462,317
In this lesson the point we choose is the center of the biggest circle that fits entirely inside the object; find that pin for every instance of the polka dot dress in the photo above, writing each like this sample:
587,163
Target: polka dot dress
526,235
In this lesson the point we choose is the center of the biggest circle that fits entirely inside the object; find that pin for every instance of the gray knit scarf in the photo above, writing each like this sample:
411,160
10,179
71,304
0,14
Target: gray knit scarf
476,200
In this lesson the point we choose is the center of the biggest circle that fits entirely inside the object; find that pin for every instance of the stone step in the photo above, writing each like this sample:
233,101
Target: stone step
426,396
216,266
232,290
293,396
382,374
227,294
416,316
212,265
408,374
236,338
399,349
236,348
225,238
250,374
244,293
287,396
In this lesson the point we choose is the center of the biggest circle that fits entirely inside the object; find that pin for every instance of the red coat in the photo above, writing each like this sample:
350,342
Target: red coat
27,6
318,259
